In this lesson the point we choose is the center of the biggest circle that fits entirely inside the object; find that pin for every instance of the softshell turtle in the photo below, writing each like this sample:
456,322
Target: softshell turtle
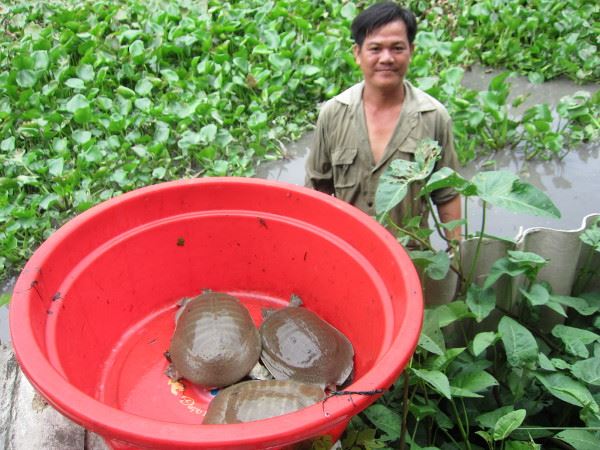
297,344
215,342
257,400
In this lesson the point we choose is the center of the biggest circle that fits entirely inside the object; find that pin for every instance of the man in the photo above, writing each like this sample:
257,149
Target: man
363,129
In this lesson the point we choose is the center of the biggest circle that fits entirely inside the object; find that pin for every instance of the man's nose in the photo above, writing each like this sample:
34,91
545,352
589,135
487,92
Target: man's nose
386,55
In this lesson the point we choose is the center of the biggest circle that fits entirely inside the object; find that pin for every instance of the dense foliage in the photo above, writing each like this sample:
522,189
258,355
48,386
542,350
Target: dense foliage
512,360
101,97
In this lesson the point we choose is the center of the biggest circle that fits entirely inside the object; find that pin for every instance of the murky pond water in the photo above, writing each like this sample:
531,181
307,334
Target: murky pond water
573,183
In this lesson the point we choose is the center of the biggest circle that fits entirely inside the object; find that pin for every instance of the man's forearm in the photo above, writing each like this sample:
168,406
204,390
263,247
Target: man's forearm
448,212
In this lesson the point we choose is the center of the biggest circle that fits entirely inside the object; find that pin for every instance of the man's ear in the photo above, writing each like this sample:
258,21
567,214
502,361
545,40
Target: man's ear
356,52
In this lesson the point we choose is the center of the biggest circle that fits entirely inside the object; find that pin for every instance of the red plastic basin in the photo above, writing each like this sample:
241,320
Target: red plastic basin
93,310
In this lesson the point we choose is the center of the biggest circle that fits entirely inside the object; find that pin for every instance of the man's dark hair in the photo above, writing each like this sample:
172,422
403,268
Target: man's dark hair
380,14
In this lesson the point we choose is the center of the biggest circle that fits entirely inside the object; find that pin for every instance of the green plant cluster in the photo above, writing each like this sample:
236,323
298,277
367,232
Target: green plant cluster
543,39
508,364
101,97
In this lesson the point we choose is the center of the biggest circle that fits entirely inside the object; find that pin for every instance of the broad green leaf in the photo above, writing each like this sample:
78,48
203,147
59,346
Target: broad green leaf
451,312
436,264
208,133
257,120
86,72
188,139
137,48
385,419
481,301
520,345
579,304
482,341
41,60
476,381
446,177
349,11
504,189
587,370
568,390
488,420
537,294
77,102
143,87
49,200
575,339
8,144
75,83
81,136
26,78
394,182
56,166
580,439
436,379
508,423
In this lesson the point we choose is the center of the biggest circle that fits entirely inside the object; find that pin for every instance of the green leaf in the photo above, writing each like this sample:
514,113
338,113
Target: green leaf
143,87
385,420
436,379
394,182
580,439
26,78
520,345
56,166
436,264
476,381
451,312
481,301
575,339
482,341
488,420
537,295
208,133
504,189
81,136
75,83
568,390
587,370
508,423
8,144
77,102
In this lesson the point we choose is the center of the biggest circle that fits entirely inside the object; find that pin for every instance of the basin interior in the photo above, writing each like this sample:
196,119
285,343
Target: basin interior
94,309
113,315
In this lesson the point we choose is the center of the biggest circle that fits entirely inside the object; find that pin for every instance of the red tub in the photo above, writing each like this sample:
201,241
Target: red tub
93,310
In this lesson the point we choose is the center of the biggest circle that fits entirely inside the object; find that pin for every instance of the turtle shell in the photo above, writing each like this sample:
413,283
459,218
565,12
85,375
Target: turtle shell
215,342
297,344
257,400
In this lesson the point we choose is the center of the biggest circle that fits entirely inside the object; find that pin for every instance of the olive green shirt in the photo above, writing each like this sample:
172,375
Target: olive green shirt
341,162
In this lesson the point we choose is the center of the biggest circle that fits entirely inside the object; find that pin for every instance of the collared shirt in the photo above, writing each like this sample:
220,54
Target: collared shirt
341,161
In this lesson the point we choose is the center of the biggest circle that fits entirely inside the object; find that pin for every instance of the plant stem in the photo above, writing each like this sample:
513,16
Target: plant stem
478,248
460,425
405,403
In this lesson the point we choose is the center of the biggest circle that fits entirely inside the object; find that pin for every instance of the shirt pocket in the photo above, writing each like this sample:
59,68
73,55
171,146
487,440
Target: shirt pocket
344,171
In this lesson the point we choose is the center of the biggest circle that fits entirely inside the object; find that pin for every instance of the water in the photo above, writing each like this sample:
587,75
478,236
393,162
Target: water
573,183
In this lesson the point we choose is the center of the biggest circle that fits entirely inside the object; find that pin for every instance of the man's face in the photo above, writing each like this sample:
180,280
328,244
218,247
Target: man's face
384,56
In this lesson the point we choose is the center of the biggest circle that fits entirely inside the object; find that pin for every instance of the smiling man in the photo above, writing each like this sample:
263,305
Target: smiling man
382,118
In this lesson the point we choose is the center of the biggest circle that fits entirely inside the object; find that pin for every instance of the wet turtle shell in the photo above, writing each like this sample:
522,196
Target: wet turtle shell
215,342
257,400
297,344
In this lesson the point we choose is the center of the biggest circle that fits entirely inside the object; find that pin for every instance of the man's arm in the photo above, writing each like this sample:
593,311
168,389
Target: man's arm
449,211
319,173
